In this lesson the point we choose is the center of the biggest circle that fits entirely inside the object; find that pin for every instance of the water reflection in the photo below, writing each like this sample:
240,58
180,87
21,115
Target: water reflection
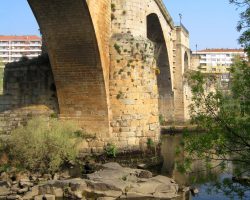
208,181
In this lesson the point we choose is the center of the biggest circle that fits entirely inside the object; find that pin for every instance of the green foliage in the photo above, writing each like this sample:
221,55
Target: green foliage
24,59
43,145
224,119
5,168
184,166
117,48
111,150
112,16
1,80
161,120
1,75
84,135
244,23
54,115
119,95
113,7
150,143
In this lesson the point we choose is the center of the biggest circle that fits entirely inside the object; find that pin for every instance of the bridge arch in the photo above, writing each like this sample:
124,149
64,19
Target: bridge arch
164,81
70,36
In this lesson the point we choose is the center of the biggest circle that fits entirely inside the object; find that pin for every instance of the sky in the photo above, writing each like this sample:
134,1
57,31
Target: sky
211,23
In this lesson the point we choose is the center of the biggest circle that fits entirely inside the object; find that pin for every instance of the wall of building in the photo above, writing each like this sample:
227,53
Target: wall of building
13,48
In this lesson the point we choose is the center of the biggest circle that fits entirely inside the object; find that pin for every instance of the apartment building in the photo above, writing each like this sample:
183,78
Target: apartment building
218,60
12,48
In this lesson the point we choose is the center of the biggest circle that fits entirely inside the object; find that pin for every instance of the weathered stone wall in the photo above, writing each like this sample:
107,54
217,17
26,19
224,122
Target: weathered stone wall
141,73
29,90
133,91
182,63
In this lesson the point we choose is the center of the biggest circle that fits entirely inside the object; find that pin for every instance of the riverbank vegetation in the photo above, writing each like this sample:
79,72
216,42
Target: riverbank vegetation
43,145
224,116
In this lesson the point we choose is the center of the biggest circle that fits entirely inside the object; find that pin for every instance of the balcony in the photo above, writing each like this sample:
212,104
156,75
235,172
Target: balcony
16,56
26,50
36,45
4,45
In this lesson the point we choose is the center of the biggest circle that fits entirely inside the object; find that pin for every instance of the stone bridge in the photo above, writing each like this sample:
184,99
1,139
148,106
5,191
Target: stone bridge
117,64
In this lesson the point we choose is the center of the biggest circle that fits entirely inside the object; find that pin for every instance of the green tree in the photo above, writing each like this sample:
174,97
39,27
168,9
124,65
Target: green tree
244,23
1,75
223,118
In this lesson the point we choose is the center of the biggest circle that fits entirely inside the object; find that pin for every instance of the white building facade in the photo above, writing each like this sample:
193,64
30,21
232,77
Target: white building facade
218,60
12,48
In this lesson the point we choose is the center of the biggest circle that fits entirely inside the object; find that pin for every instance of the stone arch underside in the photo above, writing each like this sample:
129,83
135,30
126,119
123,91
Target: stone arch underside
76,64
164,82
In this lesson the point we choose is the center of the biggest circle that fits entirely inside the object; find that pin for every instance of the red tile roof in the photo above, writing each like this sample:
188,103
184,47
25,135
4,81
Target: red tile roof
221,50
19,38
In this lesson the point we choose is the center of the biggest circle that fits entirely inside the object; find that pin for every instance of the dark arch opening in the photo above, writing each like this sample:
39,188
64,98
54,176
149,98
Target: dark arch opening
155,34
186,61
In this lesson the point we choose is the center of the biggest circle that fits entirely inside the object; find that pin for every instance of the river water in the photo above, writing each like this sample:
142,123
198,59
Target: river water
212,185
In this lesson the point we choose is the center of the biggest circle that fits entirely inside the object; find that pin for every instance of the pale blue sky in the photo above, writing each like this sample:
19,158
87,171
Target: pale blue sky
211,23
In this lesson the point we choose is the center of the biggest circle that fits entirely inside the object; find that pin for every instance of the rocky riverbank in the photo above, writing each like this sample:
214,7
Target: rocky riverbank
110,182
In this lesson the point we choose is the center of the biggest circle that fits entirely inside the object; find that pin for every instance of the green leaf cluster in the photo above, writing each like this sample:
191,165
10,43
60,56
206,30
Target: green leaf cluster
222,118
111,150
244,23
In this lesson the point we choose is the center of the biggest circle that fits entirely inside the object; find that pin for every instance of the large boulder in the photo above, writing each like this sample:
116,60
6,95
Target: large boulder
112,182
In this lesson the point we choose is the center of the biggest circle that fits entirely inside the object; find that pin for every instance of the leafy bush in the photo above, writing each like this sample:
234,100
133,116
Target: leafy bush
111,150
161,120
150,143
43,145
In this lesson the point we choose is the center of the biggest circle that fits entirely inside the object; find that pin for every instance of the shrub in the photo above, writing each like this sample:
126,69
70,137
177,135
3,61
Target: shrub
112,16
43,145
117,48
113,7
161,120
150,143
24,59
111,150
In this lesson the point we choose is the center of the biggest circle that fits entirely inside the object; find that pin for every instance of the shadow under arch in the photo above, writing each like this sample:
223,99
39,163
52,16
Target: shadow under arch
155,34
71,42
29,83
186,61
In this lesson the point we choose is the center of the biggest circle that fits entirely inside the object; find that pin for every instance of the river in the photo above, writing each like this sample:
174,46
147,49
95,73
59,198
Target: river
212,185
